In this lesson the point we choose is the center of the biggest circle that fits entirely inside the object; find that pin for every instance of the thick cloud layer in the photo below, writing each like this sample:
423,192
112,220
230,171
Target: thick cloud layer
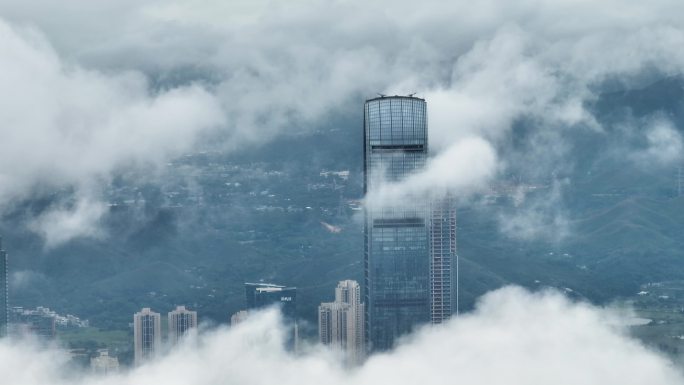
513,337
67,127
101,85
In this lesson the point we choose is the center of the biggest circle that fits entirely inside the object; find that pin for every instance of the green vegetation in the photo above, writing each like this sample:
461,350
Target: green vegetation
663,304
94,338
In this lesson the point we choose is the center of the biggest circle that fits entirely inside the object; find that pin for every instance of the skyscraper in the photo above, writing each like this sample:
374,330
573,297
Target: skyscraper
396,234
146,335
442,256
181,321
341,324
4,289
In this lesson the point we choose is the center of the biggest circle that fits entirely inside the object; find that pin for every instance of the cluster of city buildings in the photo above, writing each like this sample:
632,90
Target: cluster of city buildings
341,322
410,257
147,332
41,321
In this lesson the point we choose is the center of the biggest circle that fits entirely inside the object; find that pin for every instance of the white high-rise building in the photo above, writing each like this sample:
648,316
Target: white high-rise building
146,334
442,257
341,324
239,317
104,363
181,321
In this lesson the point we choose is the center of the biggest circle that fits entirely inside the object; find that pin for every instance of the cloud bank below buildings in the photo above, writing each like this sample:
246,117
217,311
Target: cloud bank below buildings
98,87
513,337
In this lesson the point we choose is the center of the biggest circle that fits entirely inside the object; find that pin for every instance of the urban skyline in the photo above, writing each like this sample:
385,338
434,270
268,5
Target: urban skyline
409,251
503,180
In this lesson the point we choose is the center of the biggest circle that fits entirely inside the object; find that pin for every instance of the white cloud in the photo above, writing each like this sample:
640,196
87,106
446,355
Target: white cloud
663,144
463,168
83,104
67,127
513,337
61,224
24,279
540,216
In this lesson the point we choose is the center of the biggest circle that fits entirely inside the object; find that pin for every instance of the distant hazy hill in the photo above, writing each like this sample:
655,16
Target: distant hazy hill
257,215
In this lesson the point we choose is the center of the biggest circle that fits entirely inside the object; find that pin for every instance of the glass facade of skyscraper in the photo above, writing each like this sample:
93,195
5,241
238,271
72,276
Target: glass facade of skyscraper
397,244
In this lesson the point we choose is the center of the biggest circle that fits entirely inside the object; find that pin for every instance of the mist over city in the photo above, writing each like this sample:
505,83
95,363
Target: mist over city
268,192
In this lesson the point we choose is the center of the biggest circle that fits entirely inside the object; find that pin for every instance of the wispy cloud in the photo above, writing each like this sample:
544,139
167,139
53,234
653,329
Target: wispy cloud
100,86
